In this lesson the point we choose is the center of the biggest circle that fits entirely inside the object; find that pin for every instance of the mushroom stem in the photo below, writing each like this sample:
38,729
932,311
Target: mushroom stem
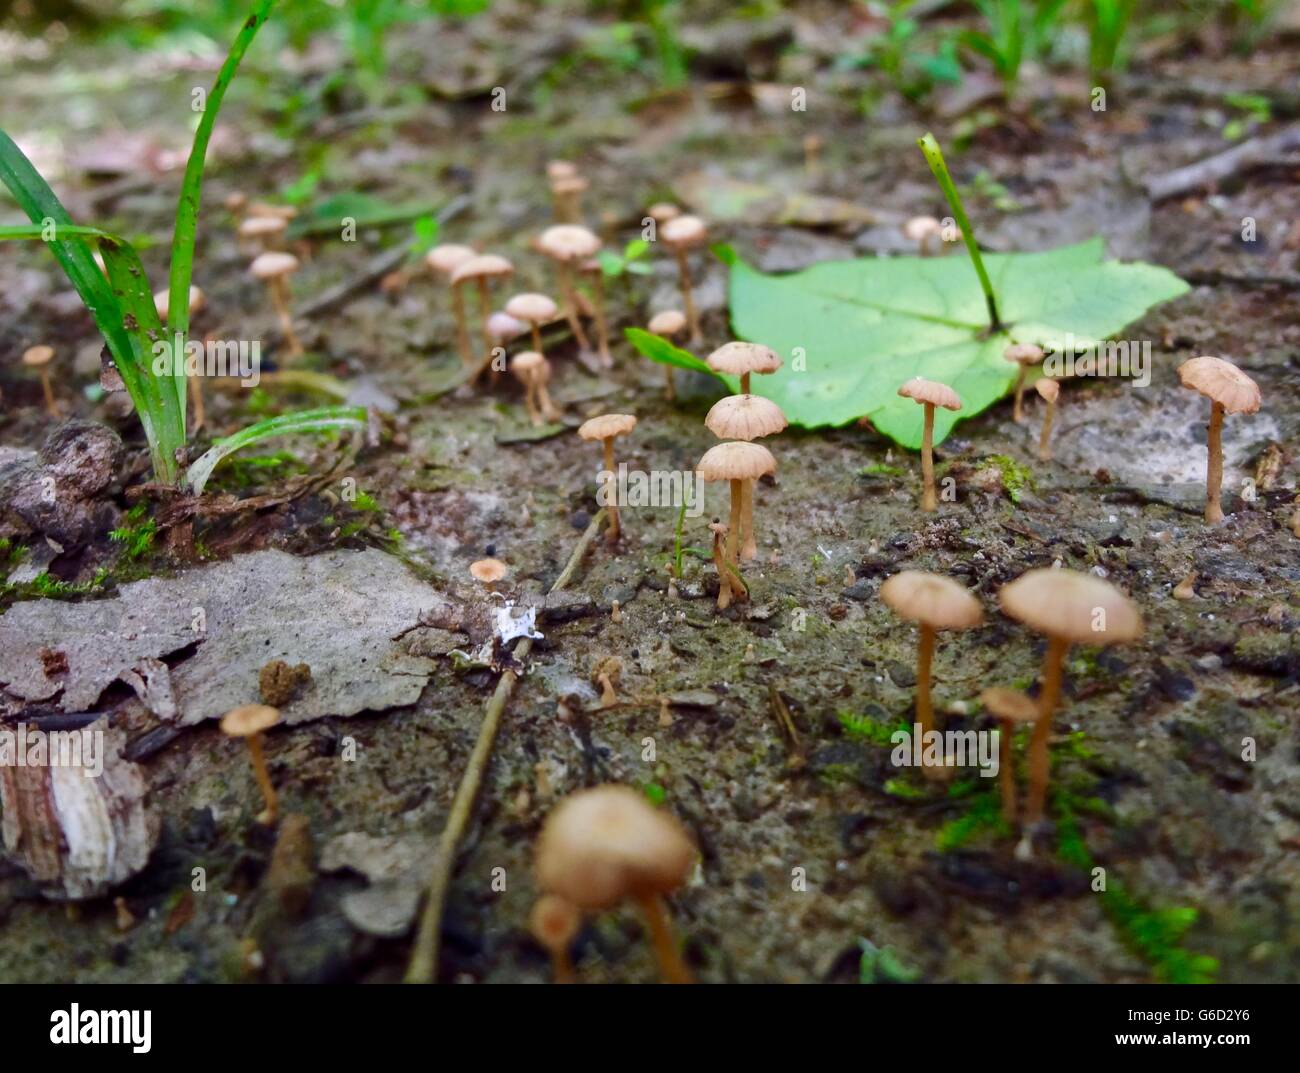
51,407
485,310
1006,770
744,382
537,336
671,393
724,578
602,327
608,694
1017,411
749,545
562,966
530,403
548,407
924,706
196,400
463,346
611,493
671,968
688,302
733,530
1214,467
1039,761
1044,438
929,501
268,815
571,306
280,300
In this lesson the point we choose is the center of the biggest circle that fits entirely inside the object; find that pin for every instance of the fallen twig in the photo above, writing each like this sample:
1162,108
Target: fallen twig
1250,153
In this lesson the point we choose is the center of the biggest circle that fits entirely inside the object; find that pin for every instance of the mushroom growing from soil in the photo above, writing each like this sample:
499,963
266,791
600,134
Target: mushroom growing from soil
250,721
481,270
488,572
605,673
608,844
566,198
444,260
682,234
1009,707
1024,355
533,371
592,267
275,268
728,584
197,300
606,428
935,603
39,358
921,229
742,360
262,232
554,923
1230,391
1048,390
745,417
668,324
1067,608
929,394
534,310
566,244
736,462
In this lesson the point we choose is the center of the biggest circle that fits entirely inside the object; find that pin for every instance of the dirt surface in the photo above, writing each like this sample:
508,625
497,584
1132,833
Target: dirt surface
1147,752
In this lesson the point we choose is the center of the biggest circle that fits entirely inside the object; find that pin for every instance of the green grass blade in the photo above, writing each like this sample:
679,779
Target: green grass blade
37,231
187,209
320,420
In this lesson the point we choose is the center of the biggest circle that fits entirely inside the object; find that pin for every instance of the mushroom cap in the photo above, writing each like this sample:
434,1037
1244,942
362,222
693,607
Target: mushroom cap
608,843
1048,388
448,257
568,242
738,358
502,326
1023,353
249,719
529,365
554,921
683,231
932,600
569,184
668,322
532,308
265,210
663,211
932,392
488,570
1064,604
256,226
273,264
607,426
37,356
919,228
162,301
1221,382
561,169
1009,704
744,417
482,266
736,461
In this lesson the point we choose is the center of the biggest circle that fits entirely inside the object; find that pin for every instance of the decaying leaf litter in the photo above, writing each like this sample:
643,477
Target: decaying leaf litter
1149,764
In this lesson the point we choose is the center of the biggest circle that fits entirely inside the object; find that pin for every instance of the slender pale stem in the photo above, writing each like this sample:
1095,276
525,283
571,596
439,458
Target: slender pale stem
570,295
672,970
269,814
924,705
47,389
929,501
562,966
280,300
744,383
463,347
611,492
733,530
196,400
536,326
1006,771
1045,437
1017,410
485,311
724,575
749,543
1039,760
688,299
1214,464
602,326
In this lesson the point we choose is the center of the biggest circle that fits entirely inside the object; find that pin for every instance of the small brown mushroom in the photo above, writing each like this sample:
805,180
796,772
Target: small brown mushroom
566,245
481,270
921,229
728,584
608,844
1067,608
554,923
488,572
745,417
929,394
250,721
1229,391
1049,390
534,310
742,359
606,673
663,211
262,232
668,324
566,198
736,463
39,358
1023,355
606,428
1010,707
682,234
444,260
275,268
935,603
533,371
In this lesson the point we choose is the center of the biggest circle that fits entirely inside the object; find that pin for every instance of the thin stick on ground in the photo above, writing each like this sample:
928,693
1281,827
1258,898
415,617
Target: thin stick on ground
423,968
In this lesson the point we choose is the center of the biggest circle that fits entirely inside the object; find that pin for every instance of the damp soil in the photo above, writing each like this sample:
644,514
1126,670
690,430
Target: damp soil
809,844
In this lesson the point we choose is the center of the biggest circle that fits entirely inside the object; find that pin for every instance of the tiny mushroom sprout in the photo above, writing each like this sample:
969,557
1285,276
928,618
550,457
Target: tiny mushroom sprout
745,417
1067,608
606,672
250,721
1049,391
606,428
534,310
263,231
929,393
1023,355
742,360
482,269
663,211
566,244
444,260
668,324
608,844
39,358
488,572
554,923
566,197
683,233
736,462
1230,391
921,229
533,371
935,603
1009,707
728,584
275,268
